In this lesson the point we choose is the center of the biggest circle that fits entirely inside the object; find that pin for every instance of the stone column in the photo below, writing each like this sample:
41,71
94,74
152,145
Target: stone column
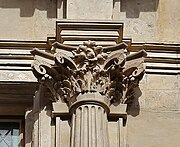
84,86
89,121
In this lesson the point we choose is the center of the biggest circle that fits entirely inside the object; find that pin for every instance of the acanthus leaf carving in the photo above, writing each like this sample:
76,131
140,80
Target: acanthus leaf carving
107,70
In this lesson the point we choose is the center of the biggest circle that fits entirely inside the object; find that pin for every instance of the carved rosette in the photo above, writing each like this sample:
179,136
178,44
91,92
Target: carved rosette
89,68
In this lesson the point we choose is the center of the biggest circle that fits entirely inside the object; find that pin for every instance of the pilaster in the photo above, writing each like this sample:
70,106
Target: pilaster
42,110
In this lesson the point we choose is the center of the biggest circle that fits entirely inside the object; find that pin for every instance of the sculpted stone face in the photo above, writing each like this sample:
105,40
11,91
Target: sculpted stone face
108,71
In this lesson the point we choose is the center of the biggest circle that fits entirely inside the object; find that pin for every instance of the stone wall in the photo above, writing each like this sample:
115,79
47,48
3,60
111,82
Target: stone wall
145,20
154,119
149,20
27,20
154,129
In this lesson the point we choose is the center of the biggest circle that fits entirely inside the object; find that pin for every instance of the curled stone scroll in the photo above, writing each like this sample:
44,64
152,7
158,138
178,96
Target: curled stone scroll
89,68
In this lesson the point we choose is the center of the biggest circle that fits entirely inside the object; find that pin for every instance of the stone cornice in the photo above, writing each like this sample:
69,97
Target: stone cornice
19,53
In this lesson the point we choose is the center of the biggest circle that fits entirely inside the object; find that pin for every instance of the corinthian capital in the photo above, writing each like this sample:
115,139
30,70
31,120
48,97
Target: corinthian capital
72,71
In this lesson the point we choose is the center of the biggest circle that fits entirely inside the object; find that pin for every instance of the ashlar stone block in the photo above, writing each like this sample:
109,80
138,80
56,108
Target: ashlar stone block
163,82
78,9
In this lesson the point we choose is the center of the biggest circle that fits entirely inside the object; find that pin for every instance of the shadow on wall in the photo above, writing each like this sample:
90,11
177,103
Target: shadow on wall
133,107
27,7
40,103
134,7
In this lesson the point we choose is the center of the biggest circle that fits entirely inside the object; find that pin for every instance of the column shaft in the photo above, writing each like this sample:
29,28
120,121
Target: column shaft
89,127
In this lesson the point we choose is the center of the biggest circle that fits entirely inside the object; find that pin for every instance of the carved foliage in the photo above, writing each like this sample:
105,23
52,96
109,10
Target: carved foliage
92,68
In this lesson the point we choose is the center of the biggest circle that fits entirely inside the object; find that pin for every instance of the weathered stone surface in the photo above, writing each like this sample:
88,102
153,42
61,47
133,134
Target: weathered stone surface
108,71
89,82
117,133
21,76
65,134
168,21
42,112
78,9
149,20
27,20
113,134
162,82
144,21
140,18
159,93
151,129
162,100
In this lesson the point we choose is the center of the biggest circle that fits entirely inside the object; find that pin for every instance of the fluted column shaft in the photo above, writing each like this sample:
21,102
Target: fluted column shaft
89,127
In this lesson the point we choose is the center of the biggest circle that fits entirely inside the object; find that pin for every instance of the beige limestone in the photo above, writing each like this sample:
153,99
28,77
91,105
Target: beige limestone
117,133
156,115
144,21
154,120
65,134
139,18
162,99
27,20
95,83
168,21
159,93
42,130
97,10
89,127
154,129
162,82
149,20
113,133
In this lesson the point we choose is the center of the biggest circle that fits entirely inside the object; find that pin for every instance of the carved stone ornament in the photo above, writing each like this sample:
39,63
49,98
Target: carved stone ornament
72,71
